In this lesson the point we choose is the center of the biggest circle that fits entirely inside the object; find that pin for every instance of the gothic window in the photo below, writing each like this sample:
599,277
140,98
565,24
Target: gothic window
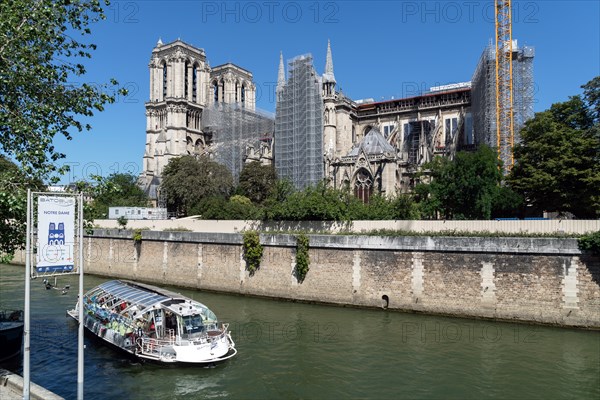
451,128
164,67
216,92
187,81
189,147
236,91
222,90
387,130
243,95
363,185
195,83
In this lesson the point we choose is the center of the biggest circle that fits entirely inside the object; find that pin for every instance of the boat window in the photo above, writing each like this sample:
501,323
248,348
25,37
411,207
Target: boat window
210,317
192,324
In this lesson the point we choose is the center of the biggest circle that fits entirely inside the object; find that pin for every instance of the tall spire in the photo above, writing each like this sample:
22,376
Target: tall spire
281,74
328,75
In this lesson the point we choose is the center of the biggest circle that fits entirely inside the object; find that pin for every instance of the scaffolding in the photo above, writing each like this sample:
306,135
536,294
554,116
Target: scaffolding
483,93
298,149
418,137
505,133
231,129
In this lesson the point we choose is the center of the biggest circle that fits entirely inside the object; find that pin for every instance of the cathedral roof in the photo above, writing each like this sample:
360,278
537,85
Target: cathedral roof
372,143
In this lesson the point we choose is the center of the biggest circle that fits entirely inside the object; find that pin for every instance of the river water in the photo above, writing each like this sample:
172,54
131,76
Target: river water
292,350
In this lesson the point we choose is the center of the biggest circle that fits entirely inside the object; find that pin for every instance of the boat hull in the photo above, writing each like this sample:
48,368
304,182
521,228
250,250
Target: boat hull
11,340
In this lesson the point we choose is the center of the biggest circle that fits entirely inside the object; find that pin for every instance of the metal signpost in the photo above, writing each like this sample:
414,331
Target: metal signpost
56,225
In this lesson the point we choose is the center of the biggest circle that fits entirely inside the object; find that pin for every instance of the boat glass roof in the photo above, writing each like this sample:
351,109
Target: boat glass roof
132,294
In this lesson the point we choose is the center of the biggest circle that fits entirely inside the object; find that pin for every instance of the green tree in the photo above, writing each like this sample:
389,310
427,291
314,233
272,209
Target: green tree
240,207
404,207
257,181
116,190
315,203
282,190
42,51
463,188
13,207
378,208
591,94
556,163
187,181
237,207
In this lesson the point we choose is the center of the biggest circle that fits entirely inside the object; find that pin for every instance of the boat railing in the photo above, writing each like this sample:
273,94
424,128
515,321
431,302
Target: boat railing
212,335
162,347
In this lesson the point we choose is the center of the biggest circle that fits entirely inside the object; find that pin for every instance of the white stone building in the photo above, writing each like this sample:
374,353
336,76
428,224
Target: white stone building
182,87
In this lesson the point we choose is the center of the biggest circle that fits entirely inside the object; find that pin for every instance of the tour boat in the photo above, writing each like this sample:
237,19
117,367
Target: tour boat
155,324
11,333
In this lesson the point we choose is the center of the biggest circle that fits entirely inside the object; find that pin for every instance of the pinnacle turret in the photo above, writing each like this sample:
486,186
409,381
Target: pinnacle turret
328,76
281,74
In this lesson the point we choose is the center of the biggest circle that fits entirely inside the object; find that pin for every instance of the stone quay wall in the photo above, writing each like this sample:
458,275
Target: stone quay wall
541,280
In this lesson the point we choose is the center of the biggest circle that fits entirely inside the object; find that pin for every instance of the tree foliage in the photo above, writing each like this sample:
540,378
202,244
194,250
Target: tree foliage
467,187
42,52
42,56
116,190
257,181
188,181
399,207
13,207
556,163
315,203
590,242
237,207
323,203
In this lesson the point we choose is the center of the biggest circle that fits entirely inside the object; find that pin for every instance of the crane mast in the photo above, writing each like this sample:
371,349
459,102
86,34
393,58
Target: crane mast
504,84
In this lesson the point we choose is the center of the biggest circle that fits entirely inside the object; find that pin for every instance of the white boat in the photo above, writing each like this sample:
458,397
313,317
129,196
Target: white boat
155,324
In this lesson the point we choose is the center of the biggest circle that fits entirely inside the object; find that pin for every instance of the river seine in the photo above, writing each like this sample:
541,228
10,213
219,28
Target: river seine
292,350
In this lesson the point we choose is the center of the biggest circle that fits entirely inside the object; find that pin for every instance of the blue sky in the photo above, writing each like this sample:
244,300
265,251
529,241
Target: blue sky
381,49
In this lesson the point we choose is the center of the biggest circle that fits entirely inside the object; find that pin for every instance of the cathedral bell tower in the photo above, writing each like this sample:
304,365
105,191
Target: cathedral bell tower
179,76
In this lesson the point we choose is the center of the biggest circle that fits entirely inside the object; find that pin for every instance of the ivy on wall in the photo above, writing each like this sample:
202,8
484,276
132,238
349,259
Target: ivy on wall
253,251
137,236
302,259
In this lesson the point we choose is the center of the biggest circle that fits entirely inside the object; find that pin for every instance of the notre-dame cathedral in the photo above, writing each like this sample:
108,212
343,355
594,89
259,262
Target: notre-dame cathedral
318,133
182,87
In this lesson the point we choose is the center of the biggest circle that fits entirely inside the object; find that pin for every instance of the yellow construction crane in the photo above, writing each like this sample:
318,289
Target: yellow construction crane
504,83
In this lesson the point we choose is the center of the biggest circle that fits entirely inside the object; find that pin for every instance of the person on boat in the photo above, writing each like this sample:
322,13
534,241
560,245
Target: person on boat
171,321
151,330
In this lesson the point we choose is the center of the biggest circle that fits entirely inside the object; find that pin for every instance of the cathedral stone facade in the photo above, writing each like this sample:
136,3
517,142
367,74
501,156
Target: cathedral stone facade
378,147
182,87
367,146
